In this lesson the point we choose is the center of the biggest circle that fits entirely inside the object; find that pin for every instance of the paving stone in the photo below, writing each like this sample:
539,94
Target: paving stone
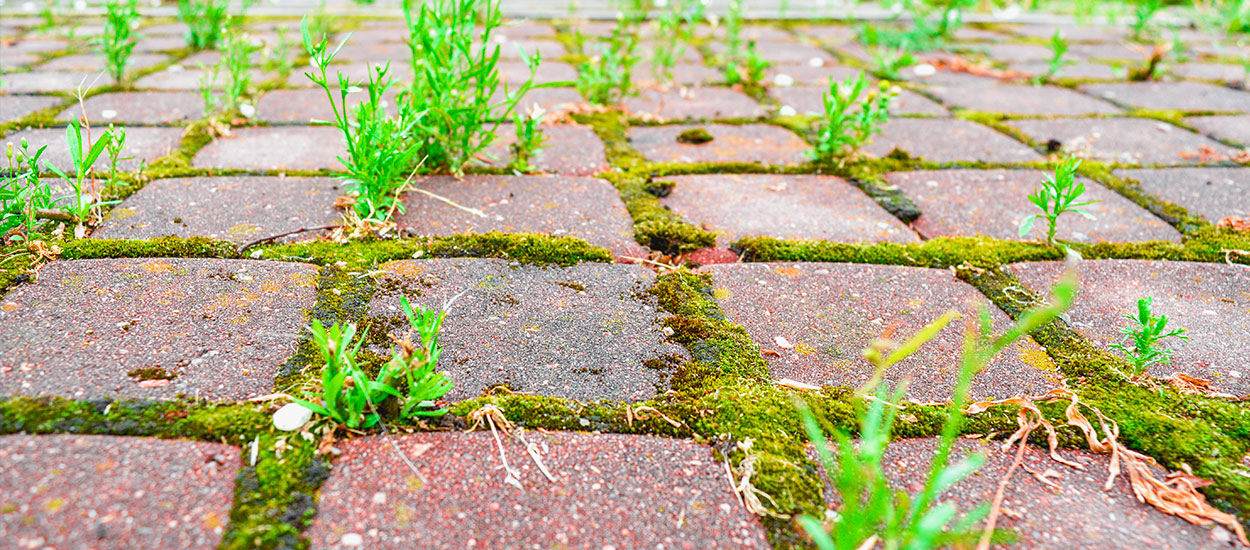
304,105
239,209
791,53
1212,71
1015,53
139,108
1209,301
583,332
948,78
16,61
779,75
13,107
374,52
1108,50
992,203
741,143
759,33
1079,514
610,491
105,492
142,145
518,72
942,140
1184,96
829,313
1071,32
786,207
1231,128
693,103
809,100
51,81
549,99
646,75
36,45
275,148
223,327
520,49
356,73
1213,193
180,77
571,150
1125,140
521,28
177,29
1080,69
1025,100
828,34
586,208
160,44
95,62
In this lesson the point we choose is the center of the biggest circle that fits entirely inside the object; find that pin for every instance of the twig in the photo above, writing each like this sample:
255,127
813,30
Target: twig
244,247
450,202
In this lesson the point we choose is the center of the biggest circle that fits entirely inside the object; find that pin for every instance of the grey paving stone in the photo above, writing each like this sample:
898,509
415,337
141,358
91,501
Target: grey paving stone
1230,128
180,77
941,140
239,209
52,81
828,313
993,202
1070,32
522,48
112,493
13,107
304,105
275,148
518,72
809,100
1212,71
142,145
610,491
159,43
549,99
693,103
571,150
35,44
1080,69
139,108
96,62
1208,300
1184,96
1015,53
583,332
779,76
222,327
1213,193
786,207
648,76
1025,100
742,143
1124,140
355,72
586,208
1110,50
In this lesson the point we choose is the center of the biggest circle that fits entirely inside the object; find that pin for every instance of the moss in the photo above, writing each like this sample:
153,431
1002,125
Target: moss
152,373
694,136
526,248
160,247
655,226
940,252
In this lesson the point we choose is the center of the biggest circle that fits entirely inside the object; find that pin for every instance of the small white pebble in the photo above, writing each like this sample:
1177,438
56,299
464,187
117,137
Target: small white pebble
782,342
787,110
816,62
379,498
924,70
247,110
291,416
783,80
108,114
352,539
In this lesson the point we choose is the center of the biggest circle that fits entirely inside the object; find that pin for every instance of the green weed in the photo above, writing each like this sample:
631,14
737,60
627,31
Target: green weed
118,40
236,64
1056,63
607,77
83,155
1143,12
852,115
206,21
1057,196
1146,332
529,140
22,194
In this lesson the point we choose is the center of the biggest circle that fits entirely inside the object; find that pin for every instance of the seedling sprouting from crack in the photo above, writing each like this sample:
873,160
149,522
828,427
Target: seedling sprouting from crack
607,76
852,115
1146,332
206,21
529,139
1056,63
118,39
1057,196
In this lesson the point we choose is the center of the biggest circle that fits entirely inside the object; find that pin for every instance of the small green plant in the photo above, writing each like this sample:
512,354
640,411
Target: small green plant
853,113
455,63
380,149
206,21
1236,16
1146,332
83,155
236,63
118,40
755,65
872,511
607,77
351,398
116,144
1057,196
22,193
1056,63
279,57
1143,12
889,62
529,140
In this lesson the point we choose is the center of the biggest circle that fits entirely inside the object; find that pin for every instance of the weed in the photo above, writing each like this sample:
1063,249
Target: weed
116,144
1236,16
346,391
871,510
608,76
888,62
1146,332
852,116
1058,48
22,194
83,155
755,65
456,79
1143,12
380,149
279,58
118,40
1056,196
674,29
206,21
529,139
236,61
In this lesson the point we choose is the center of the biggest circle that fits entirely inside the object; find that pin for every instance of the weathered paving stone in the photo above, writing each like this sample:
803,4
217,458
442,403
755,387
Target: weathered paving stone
275,148
160,43
939,140
51,81
222,327
1210,301
1184,96
1106,50
1230,128
993,202
180,77
687,74
1071,32
571,150
810,100
14,107
521,49
304,105
786,207
112,493
142,145
139,108
784,75
240,209
1213,193
1079,69
819,317
610,491
1079,514
693,103
742,143
548,99
586,208
1126,140
1015,53
583,332
1025,100
1212,71
517,72
96,62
